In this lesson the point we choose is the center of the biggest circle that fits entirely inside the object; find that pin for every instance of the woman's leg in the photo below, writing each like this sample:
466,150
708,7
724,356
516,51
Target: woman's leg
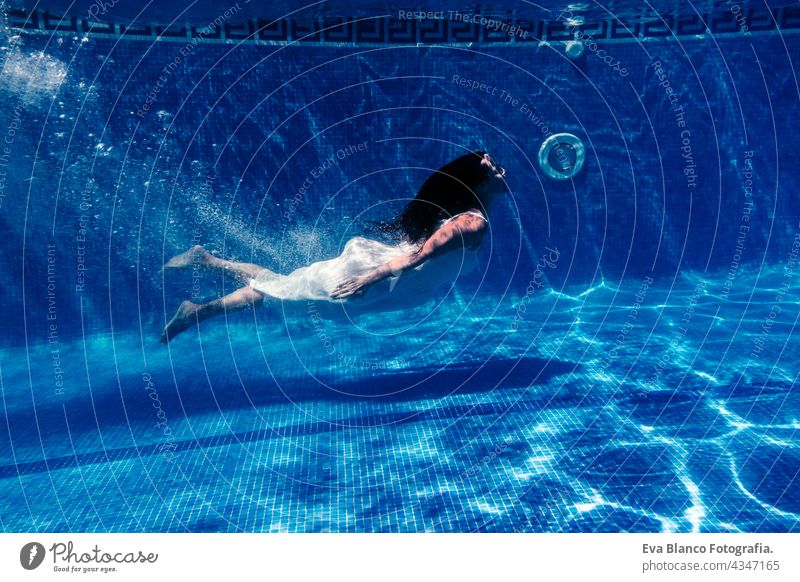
198,256
189,313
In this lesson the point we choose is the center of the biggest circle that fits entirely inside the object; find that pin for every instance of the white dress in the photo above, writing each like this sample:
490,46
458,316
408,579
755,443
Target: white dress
310,287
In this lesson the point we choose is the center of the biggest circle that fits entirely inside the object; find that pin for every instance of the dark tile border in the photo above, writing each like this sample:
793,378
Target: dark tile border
81,460
392,30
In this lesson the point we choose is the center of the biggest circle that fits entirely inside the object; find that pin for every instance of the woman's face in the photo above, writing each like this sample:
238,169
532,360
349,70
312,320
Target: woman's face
495,182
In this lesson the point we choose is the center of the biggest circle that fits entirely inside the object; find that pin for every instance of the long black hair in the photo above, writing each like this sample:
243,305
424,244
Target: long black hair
446,192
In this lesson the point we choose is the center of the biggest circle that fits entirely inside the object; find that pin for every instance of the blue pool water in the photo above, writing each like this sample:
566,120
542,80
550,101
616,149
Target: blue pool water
625,360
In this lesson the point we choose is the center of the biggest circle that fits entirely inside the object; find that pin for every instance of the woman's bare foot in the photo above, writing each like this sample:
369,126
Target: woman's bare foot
196,255
184,318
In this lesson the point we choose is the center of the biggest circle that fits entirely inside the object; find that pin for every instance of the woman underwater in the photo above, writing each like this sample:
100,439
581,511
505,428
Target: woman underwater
440,230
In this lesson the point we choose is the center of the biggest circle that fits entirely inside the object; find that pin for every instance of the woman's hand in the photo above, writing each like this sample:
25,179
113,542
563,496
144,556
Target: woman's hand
351,287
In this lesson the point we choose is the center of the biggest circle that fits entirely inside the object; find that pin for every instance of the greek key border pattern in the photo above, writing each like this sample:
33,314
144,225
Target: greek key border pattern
390,30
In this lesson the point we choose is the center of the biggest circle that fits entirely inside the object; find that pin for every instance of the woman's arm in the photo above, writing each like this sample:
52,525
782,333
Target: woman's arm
465,231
